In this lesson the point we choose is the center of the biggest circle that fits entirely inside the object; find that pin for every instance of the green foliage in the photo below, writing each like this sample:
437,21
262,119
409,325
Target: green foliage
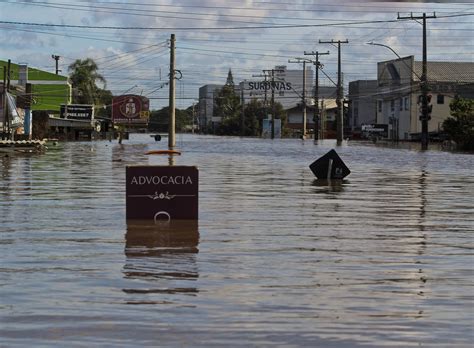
254,114
104,108
460,127
226,102
84,76
159,119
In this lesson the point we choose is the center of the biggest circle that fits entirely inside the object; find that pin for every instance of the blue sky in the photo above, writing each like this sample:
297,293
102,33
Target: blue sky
129,39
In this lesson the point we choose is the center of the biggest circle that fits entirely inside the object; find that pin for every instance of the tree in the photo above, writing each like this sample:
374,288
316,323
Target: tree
104,106
460,127
84,77
255,113
159,119
230,79
227,106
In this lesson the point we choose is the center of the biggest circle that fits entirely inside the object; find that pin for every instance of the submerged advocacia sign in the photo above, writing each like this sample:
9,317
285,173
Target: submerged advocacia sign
162,192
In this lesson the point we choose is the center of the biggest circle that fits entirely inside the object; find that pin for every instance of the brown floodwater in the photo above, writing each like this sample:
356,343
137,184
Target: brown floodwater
277,258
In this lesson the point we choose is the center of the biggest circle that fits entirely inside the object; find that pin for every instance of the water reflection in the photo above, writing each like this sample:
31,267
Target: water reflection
162,258
128,154
329,186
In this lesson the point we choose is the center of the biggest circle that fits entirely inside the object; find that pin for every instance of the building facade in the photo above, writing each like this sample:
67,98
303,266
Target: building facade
394,98
206,116
363,105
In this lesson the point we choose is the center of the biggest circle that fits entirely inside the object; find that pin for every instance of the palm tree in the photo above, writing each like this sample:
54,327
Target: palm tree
84,77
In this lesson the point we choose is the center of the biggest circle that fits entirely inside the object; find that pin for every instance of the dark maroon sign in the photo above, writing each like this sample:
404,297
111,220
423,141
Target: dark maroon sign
160,193
130,109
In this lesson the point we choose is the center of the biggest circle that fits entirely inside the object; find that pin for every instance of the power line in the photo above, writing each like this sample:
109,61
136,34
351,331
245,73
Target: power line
283,26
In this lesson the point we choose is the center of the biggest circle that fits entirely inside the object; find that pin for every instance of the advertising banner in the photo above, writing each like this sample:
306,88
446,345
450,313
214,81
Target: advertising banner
81,112
130,109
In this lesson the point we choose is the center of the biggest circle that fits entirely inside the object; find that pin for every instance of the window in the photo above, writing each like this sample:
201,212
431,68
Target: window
440,99
401,104
380,106
392,105
407,105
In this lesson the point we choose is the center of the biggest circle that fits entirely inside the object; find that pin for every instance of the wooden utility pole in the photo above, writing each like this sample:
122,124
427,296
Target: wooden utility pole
304,61
424,117
4,102
56,58
6,106
317,114
265,93
340,94
172,93
272,71
242,121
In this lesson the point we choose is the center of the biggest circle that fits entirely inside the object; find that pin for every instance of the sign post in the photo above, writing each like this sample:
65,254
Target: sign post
330,166
162,193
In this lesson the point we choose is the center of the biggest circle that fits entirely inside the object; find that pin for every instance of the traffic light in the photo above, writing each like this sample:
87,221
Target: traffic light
425,107
429,106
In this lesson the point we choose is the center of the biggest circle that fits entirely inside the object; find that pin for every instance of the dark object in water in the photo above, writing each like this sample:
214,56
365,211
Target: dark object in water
329,166
157,137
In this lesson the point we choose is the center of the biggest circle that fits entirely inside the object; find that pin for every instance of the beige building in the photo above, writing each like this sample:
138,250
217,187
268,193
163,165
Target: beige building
398,90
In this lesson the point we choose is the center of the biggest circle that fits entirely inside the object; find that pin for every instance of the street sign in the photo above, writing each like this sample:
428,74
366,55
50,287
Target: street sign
162,193
330,166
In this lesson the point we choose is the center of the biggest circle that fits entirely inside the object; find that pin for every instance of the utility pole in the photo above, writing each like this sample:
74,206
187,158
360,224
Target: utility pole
242,121
340,94
316,116
265,94
304,61
56,58
172,116
273,97
5,106
4,103
424,83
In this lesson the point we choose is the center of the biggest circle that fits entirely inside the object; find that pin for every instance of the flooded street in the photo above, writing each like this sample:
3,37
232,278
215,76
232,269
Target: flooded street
277,258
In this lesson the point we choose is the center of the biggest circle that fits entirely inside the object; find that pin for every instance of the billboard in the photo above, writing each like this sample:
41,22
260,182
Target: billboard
81,112
130,109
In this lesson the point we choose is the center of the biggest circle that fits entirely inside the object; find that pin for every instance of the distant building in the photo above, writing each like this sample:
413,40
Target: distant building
363,105
395,95
327,110
207,94
327,105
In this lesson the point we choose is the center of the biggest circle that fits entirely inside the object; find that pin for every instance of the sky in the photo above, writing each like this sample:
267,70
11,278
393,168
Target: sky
129,40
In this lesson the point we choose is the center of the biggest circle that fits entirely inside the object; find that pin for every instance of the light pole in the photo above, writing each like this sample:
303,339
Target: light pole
379,44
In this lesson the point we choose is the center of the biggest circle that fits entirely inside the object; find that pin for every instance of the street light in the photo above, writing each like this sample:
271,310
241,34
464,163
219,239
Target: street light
424,114
379,44
391,49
